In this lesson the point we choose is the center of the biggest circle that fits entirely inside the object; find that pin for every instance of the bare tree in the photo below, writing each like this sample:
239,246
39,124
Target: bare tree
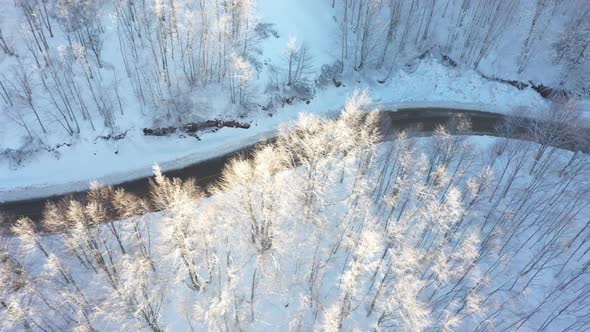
25,92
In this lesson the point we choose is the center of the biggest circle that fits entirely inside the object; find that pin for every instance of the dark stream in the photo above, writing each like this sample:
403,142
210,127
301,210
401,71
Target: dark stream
422,121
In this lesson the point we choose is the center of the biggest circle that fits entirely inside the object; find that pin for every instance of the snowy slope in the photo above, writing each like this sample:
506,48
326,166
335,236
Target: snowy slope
87,161
310,22
490,288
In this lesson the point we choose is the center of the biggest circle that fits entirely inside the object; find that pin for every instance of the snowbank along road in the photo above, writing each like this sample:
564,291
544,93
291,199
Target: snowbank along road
420,121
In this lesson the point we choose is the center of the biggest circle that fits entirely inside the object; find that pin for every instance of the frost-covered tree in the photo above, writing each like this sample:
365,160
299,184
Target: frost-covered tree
572,51
297,61
241,81
185,243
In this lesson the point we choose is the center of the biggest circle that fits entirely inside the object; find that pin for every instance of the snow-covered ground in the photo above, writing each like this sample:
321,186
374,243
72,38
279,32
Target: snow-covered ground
492,235
309,21
72,168
459,275
133,157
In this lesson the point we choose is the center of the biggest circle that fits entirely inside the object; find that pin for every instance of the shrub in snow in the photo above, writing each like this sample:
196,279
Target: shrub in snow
19,157
265,30
330,75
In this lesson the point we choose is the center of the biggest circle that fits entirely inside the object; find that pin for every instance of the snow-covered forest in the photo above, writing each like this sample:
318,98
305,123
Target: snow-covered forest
72,62
500,37
412,234
74,73
78,66
331,219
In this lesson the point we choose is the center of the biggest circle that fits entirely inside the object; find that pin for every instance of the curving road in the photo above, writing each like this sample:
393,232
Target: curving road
419,120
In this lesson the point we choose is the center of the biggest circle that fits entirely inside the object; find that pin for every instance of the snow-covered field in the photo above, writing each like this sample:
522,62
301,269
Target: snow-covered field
312,22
